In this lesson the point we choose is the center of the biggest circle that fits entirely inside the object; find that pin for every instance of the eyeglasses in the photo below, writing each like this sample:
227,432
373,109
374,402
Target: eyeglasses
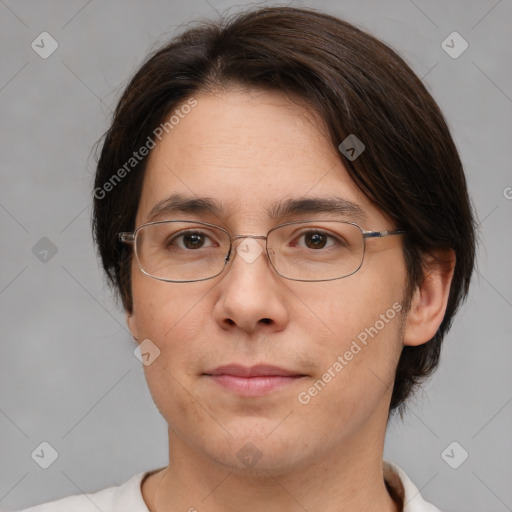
184,251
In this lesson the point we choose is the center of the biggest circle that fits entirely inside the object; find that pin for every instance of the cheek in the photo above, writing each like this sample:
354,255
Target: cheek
346,308
362,318
356,374
166,312
174,320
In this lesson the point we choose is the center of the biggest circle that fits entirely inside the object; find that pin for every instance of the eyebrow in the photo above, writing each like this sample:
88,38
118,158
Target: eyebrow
178,203
336,205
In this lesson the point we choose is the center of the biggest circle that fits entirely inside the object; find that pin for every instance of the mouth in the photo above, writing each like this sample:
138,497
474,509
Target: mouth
253,381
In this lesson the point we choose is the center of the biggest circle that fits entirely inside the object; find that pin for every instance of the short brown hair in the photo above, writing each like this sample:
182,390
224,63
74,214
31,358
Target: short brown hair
358,85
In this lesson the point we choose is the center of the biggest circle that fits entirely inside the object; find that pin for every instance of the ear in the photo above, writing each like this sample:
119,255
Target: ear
132,325
428,304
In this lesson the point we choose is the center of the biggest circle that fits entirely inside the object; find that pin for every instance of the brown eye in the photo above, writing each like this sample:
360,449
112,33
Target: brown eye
190,240
193,240
315,240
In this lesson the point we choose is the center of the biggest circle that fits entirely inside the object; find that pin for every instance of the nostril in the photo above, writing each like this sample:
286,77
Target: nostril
266,320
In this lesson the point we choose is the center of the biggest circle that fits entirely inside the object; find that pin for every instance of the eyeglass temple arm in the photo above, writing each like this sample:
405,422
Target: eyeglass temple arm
127,238
380,234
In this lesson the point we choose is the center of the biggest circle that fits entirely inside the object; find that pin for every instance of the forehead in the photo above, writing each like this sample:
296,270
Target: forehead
248,150
247,129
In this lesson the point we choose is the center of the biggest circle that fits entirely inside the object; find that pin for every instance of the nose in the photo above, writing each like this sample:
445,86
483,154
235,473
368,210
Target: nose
251,296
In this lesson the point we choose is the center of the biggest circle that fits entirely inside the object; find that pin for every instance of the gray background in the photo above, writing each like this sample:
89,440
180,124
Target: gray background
68,373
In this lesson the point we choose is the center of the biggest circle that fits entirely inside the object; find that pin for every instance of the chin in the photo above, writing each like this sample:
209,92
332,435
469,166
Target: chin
257,450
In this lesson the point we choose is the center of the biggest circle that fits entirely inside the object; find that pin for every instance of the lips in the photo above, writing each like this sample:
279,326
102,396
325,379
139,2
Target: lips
252,381
260,370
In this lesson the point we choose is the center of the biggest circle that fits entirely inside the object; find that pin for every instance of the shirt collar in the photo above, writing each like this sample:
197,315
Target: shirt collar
403,489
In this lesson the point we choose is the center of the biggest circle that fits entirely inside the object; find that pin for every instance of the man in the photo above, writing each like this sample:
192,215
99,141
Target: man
283,212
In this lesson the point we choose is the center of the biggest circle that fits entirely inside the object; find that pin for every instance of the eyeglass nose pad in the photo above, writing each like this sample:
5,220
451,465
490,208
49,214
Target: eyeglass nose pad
271,256
226,259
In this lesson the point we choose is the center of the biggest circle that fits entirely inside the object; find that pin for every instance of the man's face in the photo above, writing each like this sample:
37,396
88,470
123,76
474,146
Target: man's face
336,342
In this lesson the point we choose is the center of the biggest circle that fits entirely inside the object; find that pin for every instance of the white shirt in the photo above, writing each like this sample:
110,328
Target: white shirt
128,496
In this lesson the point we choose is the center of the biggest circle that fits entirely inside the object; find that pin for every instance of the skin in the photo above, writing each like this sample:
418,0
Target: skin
248,150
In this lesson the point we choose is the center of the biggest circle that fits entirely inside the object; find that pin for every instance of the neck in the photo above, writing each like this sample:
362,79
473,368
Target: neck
348,479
